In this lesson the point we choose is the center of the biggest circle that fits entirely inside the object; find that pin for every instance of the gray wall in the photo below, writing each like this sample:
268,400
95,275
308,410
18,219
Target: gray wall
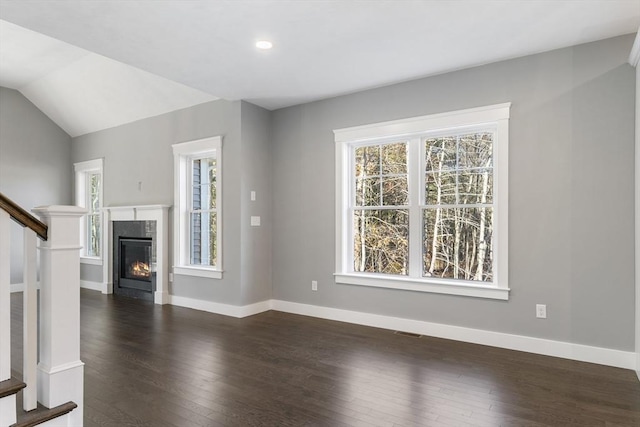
571,195
140,152
637,214
571,181
35,163
256,176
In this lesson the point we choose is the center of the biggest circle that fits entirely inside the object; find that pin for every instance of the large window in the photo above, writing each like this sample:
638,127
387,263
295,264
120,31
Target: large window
422,203
89,196
197,217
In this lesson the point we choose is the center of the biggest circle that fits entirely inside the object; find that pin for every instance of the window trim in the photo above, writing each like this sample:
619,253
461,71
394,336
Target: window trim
82,170
434,124
183,153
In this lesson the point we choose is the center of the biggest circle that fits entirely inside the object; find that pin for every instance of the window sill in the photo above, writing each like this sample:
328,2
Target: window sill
90,260
198,272
449,287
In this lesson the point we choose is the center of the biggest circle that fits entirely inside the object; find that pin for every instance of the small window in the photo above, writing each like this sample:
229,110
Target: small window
89,191
197,240
422,203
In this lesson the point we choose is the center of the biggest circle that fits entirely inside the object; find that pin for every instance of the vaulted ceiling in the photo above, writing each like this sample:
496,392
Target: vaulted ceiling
96,64
83,92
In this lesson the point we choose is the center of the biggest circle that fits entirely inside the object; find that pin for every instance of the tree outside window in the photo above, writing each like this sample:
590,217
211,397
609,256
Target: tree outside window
93,216
422,203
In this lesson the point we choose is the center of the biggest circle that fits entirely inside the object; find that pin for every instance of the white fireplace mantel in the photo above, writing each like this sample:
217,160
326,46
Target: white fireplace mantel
158,213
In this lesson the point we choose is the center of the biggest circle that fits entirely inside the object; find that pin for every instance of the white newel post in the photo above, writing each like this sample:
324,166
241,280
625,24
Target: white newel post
60,371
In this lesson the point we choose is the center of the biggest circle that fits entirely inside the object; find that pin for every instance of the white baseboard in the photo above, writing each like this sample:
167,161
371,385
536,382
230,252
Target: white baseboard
94,286
218,308
565,350
256,308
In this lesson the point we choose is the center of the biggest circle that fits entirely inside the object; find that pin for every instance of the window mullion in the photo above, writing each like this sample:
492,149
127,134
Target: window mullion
414,175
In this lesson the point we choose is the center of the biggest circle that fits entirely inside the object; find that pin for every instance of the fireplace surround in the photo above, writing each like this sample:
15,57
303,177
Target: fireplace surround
137,223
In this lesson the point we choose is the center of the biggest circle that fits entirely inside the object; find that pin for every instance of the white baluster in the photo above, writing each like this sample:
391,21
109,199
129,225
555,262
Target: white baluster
30,319
5,297
8,403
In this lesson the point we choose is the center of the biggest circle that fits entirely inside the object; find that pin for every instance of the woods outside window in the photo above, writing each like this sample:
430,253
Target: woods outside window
422,203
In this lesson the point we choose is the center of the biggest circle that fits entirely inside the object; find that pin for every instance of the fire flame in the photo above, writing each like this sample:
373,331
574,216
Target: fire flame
140,269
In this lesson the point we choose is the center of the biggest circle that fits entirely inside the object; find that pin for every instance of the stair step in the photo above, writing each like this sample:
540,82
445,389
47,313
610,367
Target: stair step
10,386
41,414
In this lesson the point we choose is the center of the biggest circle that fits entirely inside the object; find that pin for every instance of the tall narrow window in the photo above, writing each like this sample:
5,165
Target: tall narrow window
197,215
422,203
89,191
203,213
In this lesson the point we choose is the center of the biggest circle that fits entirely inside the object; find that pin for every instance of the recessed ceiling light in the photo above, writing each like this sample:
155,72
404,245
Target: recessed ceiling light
264,44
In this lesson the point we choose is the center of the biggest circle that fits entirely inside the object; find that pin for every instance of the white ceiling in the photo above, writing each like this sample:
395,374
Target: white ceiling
81,91
321,48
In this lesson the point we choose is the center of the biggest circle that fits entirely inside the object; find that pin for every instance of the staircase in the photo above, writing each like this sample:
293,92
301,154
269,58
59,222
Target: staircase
52,385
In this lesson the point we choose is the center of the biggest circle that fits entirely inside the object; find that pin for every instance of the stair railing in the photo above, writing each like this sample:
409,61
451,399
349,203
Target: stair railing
52,370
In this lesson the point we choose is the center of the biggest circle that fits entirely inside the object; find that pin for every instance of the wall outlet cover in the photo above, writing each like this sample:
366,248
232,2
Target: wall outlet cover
541,311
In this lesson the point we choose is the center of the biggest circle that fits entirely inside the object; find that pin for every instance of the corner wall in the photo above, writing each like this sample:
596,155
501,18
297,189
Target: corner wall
637,166
571,195
138,170
255,244
634,60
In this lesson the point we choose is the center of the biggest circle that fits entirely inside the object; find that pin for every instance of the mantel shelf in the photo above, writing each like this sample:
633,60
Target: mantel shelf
139,207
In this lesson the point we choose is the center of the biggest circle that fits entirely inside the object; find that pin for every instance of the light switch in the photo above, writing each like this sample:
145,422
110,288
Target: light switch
253,196
255,221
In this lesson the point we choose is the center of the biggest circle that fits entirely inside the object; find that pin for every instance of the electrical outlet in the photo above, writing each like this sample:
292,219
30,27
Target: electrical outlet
541,311
314,285
171,277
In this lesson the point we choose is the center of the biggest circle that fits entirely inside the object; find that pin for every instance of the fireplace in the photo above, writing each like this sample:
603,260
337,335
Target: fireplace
134,259
135,263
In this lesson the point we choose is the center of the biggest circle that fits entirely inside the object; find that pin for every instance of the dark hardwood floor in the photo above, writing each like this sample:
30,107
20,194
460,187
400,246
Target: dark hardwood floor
149,365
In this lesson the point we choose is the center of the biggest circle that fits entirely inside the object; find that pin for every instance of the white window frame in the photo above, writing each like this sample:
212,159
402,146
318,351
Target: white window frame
83,170
414,130
183,154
